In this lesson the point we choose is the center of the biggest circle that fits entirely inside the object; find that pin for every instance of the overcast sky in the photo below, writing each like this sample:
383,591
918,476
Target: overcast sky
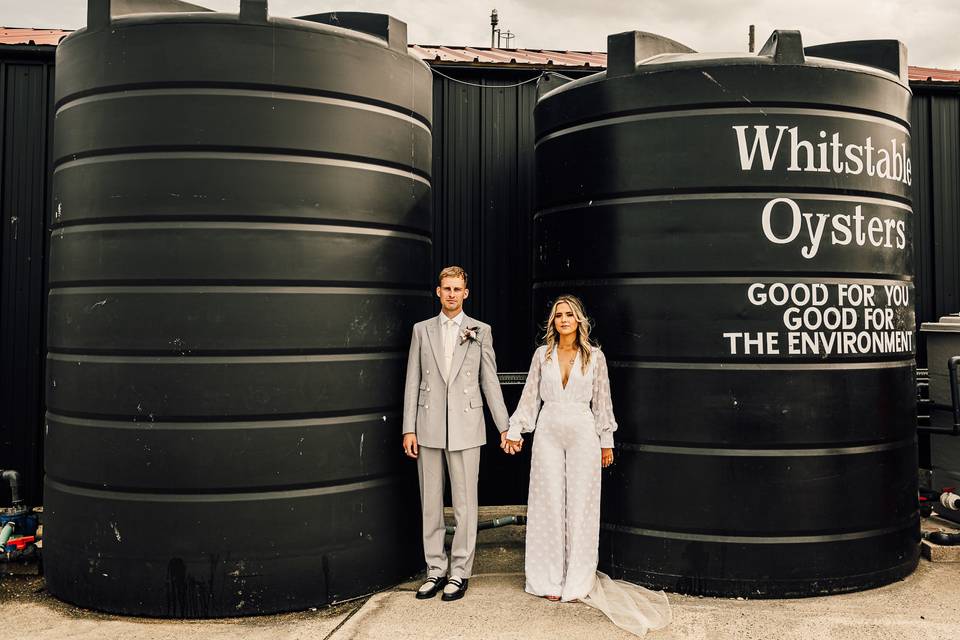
930,28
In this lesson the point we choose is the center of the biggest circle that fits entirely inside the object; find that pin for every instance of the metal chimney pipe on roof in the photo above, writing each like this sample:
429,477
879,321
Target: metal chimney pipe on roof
494,21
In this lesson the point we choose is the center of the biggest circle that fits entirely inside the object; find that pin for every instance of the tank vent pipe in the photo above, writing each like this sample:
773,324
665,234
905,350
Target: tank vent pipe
13,479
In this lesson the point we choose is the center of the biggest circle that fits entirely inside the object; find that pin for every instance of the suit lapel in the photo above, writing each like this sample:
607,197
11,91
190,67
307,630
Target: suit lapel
436,345
460,351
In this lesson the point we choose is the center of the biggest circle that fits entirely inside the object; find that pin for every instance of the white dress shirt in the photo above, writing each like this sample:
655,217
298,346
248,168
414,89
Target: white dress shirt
449,330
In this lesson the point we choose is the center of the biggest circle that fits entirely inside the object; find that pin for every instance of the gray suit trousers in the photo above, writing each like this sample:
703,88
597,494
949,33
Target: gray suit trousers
464,468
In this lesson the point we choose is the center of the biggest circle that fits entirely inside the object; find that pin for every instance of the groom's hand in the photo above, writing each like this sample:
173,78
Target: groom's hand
410,445
510,446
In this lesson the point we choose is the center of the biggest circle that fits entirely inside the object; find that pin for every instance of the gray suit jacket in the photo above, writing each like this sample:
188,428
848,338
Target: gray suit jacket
448,413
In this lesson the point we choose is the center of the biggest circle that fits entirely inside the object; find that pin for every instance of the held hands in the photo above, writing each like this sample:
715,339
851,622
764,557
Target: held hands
411,449
510,446
606,457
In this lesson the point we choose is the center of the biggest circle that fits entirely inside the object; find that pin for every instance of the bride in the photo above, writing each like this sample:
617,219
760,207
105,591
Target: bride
575,428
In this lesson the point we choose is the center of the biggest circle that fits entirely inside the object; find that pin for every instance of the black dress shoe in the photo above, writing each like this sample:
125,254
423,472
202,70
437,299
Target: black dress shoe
436,584
460,584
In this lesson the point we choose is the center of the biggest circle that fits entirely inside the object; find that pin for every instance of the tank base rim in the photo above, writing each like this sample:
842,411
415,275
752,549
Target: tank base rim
228,613
766,589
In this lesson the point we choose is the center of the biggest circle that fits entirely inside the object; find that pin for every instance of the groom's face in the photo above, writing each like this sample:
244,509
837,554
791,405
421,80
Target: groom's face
452,292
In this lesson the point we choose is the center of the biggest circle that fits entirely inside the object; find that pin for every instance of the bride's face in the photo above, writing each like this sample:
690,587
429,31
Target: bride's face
564,321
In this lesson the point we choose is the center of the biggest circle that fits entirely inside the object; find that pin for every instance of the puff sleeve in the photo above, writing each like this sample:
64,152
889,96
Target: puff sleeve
524,419
601,403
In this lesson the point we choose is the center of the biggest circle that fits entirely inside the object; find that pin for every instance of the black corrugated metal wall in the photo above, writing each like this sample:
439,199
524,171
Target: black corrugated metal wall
936,213
482,186
936,202
482,193
26,109
482,197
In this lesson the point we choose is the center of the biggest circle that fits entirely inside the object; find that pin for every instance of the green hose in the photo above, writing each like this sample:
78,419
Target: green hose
5,534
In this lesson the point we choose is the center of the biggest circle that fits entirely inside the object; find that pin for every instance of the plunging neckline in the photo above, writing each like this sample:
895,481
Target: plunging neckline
556,352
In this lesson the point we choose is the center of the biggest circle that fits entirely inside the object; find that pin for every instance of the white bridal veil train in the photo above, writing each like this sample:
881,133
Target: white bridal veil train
629,606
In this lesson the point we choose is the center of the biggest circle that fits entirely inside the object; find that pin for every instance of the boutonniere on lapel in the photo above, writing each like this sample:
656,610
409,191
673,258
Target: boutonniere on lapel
470,333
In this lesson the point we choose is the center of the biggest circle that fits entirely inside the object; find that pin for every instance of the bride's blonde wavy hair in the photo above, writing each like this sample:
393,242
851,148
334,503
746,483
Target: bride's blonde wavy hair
551,336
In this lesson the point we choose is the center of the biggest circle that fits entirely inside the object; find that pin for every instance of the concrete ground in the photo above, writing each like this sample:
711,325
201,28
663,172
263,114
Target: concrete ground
923,606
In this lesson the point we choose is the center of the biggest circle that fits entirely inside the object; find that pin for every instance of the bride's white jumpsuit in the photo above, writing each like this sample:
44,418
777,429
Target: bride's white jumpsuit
563,505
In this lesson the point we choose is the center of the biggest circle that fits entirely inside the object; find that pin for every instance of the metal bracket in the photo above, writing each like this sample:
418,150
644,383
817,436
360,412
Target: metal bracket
550,81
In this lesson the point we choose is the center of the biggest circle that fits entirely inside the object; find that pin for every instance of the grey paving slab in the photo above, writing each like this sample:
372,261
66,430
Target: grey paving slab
495,607
26,611
921,607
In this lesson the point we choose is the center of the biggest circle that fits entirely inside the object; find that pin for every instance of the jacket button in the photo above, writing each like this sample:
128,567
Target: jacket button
468,373
465,409
464,390
426,406
428,388
428,371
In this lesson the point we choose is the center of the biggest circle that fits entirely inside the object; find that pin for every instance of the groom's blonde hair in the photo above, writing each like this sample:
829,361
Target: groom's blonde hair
452,272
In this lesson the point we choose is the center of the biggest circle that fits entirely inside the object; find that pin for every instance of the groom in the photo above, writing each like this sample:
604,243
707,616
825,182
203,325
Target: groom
451,360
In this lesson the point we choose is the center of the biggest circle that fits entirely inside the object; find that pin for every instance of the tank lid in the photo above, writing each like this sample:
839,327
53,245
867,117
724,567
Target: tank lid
364,26
99,12
374,28
639,52
947,324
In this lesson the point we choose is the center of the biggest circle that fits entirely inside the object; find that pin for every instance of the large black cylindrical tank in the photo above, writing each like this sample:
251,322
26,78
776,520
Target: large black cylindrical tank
240,239
740,227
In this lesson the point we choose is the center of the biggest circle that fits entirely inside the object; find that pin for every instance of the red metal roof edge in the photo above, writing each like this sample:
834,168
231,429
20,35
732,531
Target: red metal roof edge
28,36
442,54
486,56
469,56
932,74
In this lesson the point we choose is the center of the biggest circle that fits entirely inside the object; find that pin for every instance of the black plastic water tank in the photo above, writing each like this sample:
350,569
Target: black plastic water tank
241,235
740,229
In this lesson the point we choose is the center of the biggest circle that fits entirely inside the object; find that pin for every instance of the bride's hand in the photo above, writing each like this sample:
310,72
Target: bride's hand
606,457
510,446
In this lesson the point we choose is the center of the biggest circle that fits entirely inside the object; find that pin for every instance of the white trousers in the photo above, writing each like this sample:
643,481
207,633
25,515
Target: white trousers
464,469
563,506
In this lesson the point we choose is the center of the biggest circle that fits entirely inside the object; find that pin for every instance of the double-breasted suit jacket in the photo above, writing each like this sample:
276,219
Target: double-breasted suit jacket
446,411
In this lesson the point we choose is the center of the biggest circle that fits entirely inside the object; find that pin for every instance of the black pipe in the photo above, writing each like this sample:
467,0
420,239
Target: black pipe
13,478
942,538
493,524
952,364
